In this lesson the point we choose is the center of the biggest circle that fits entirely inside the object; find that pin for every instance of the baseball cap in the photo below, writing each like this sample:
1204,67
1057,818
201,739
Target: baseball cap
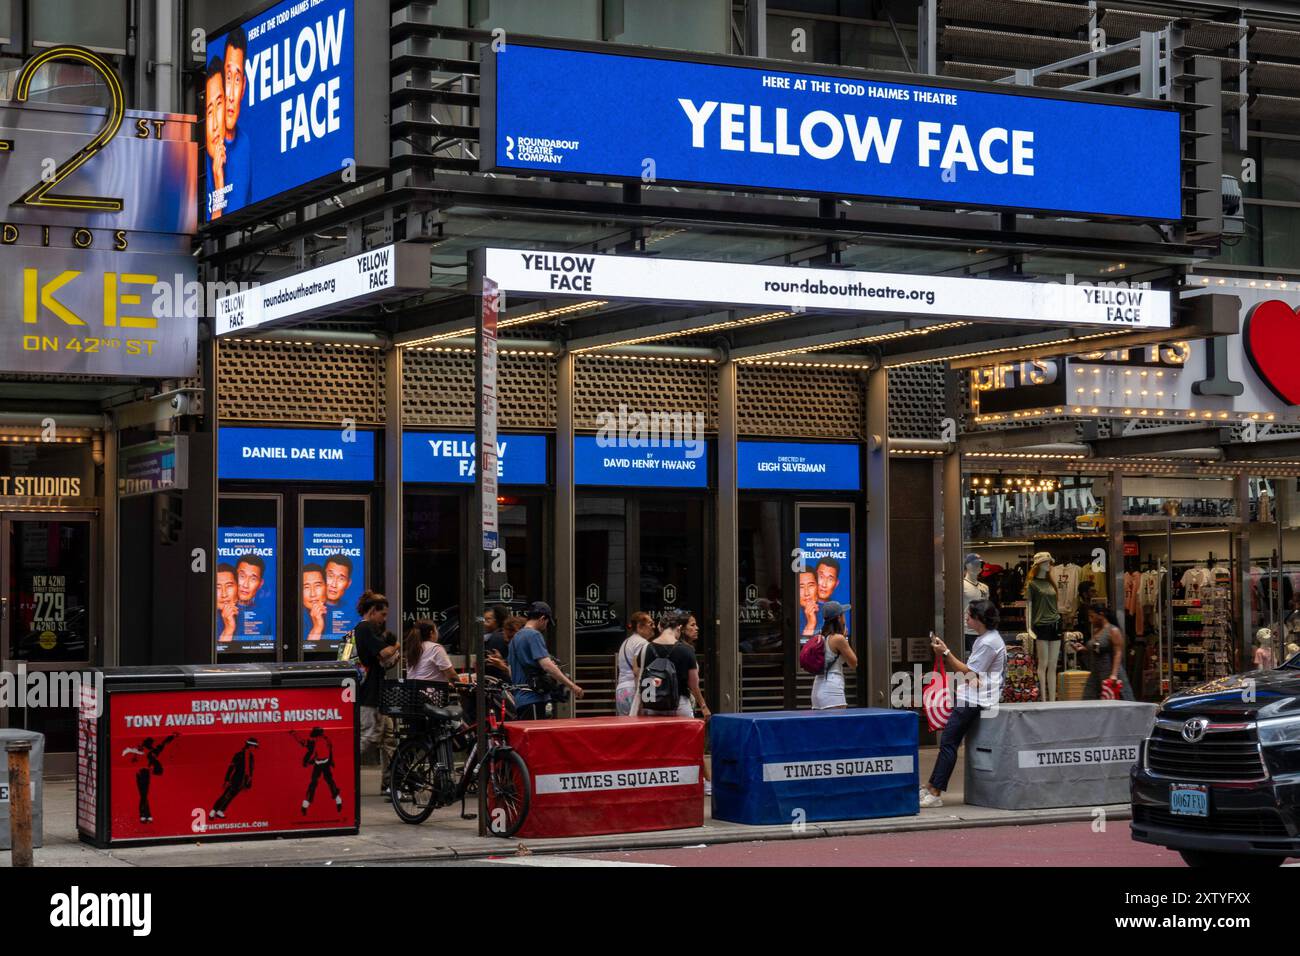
834,609
973,559
539,609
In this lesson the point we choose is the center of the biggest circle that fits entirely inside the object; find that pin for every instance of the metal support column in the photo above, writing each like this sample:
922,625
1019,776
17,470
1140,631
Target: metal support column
107,653
949,546
566,586
951,531
393,543
1115,544
877,577
1241,567
728,543
927,56
756,28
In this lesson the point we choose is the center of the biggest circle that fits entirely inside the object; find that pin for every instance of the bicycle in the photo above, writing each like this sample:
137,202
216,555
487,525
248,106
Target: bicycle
423,771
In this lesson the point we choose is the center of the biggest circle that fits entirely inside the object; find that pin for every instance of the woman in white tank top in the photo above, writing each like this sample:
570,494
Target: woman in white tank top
828,686
643,631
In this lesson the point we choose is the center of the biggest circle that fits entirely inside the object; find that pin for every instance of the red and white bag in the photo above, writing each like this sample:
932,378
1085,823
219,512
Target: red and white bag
937,697
1112,689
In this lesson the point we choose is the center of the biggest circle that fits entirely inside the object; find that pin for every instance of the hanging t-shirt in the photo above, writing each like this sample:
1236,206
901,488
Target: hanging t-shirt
1194,581
1066,577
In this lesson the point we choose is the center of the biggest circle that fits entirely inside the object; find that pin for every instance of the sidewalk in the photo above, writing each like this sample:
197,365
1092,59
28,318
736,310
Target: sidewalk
447,837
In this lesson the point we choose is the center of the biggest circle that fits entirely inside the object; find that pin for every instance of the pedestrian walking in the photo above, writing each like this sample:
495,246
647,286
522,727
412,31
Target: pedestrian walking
376,651
691,635
498,656
495,644
667,674
425,657
828,686
641,631
532,666
978,687
1105,655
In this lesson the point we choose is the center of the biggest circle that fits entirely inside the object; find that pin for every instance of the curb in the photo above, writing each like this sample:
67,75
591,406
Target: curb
656,841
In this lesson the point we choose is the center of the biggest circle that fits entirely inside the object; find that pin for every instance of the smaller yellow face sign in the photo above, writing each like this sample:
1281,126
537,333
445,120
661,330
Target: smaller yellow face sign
48,639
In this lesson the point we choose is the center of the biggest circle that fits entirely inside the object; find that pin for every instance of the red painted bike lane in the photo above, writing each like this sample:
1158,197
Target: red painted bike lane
1056,844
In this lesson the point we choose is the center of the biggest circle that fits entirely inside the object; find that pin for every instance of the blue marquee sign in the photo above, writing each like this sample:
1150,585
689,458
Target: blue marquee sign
598,114
448,458
797,466
295,454
667,466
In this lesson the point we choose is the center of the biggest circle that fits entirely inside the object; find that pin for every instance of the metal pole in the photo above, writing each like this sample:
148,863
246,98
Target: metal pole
877,474
393,542
756,28
1240,551
20,803
953,531
1167,646
950,547
728,544
107,653
927,16
474,613
565,574
1115,543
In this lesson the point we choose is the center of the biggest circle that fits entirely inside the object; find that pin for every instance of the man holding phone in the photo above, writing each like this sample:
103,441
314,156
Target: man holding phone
978,686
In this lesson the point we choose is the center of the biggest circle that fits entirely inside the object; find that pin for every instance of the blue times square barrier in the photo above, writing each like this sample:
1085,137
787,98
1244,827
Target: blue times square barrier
787,766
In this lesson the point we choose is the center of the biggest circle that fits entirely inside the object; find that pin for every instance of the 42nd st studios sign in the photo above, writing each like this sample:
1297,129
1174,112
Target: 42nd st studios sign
83,243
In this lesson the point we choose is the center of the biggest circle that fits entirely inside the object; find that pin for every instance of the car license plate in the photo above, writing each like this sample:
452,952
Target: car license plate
1189,800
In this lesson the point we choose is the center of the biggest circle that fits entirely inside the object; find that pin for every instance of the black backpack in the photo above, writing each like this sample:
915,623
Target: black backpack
658,686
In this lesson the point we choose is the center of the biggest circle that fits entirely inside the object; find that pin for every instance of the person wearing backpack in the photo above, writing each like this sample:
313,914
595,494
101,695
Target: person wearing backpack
667,675
642,631
831,650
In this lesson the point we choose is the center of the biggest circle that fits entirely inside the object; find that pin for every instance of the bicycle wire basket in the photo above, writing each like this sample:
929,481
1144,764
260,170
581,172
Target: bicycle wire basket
407,698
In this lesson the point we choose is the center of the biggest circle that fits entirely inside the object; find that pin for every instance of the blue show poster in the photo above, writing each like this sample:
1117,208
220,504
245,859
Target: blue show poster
278,103
333,580
247,592
827,576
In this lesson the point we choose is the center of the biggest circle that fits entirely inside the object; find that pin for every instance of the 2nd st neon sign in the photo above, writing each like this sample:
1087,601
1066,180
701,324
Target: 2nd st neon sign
38,295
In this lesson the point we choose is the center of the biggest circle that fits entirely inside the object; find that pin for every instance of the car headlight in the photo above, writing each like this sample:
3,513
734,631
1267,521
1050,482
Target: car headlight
1279,730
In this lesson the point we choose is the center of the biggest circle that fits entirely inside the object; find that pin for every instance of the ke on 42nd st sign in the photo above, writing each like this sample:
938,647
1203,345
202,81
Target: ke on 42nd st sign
97,207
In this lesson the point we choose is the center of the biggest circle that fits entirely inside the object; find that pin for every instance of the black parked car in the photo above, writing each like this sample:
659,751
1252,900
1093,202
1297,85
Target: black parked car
1218,780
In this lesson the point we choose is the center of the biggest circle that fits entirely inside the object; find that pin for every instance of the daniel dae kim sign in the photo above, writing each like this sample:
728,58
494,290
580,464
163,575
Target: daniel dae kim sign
692,280
625,115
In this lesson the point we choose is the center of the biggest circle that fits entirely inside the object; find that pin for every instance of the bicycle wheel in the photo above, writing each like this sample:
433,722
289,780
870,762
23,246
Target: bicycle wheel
414,787
509,791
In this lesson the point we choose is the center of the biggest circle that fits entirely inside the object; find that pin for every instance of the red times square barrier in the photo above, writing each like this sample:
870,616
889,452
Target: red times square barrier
611,774
206,763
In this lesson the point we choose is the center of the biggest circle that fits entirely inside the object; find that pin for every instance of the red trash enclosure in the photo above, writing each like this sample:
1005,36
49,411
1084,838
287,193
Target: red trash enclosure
223,762
611,774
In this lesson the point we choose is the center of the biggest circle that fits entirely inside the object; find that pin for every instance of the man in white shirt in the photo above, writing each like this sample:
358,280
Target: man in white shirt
978,686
